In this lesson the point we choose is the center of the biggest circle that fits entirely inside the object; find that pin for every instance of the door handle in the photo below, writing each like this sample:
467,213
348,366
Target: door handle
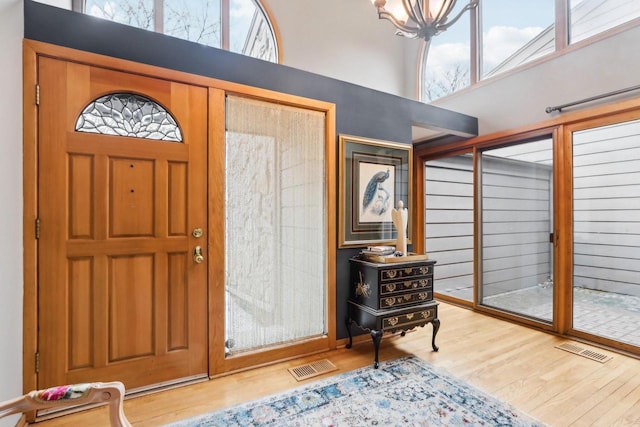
197,255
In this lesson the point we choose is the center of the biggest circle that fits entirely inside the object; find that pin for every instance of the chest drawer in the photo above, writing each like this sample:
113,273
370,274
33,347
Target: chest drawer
403,273
406,285
414,318
406,299
383,286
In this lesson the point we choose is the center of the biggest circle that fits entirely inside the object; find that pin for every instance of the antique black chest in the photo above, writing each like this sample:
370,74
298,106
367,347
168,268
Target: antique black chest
390,297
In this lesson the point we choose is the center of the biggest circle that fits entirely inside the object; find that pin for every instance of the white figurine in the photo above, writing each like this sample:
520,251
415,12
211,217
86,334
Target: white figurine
400,218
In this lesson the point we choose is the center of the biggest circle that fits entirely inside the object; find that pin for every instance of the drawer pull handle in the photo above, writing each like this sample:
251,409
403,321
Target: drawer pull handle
426,314
391,287
423,296
393,321
424,270
390,301
391,273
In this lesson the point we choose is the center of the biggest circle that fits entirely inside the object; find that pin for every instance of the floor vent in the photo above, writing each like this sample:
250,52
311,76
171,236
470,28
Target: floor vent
312,369
589,354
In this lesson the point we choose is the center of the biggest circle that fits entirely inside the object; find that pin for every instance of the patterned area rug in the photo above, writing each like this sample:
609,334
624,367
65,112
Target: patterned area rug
401,392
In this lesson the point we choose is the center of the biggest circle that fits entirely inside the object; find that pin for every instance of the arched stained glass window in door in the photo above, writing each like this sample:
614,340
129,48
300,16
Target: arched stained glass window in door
127,114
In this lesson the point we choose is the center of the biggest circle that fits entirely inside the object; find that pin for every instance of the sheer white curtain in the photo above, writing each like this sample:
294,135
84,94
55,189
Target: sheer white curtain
274,224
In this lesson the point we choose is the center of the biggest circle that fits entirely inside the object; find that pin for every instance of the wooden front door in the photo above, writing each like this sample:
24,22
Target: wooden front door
121,189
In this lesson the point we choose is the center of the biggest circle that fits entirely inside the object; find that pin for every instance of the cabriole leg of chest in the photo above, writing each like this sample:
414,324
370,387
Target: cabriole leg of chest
436,325
377,337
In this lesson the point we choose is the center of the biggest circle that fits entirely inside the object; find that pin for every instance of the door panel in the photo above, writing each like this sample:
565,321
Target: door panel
449,227
120,297
517,229
606,233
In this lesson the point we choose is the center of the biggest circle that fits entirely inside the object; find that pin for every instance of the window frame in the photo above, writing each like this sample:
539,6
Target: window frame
562,47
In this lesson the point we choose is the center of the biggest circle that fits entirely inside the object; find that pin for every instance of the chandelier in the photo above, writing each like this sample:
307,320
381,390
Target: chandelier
420,19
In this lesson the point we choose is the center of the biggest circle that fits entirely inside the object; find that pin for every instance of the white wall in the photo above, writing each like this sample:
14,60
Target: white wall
342,39
11,30
520,99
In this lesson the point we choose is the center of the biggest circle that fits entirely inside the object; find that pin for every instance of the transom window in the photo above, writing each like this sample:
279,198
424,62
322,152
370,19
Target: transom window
240,26
509,34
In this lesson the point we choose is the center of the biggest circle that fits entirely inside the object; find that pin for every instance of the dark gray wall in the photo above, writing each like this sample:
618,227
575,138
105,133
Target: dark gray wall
359,111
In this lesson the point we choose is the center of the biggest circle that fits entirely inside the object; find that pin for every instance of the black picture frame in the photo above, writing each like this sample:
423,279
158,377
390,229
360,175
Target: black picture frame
374,175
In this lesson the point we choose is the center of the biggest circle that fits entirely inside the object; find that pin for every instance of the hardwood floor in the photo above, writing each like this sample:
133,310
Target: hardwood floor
511,362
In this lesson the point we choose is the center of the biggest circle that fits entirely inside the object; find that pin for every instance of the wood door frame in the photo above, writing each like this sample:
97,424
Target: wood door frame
218,363
217,91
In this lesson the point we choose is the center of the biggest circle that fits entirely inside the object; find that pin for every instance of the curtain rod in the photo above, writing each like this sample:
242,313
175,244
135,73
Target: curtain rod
593,98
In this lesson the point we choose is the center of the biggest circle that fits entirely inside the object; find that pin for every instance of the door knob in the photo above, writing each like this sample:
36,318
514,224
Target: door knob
197,255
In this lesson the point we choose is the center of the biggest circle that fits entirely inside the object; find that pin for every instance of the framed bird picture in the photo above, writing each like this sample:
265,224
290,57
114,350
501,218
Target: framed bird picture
374,176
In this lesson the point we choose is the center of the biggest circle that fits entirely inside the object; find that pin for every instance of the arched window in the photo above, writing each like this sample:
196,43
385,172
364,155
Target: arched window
241,26
127,114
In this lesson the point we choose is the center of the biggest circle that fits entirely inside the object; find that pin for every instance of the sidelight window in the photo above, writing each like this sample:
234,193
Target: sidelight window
274,237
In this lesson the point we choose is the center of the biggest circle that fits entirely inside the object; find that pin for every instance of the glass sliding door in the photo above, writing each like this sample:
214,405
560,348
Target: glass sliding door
448,231
517,225
606,232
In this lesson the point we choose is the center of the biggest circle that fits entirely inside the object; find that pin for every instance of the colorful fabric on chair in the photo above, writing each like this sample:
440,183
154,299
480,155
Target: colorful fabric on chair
64,392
